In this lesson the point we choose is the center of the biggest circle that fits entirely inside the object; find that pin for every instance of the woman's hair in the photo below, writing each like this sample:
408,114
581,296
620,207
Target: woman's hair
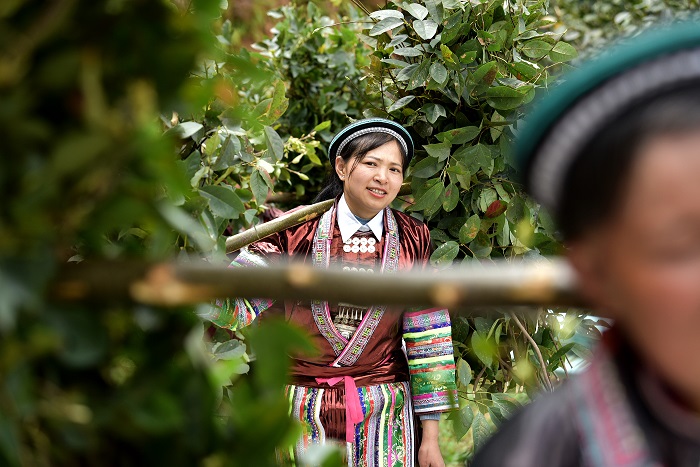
356,149
596,182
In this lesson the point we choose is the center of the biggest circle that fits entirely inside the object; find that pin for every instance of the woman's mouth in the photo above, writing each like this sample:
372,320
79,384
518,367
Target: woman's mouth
377,192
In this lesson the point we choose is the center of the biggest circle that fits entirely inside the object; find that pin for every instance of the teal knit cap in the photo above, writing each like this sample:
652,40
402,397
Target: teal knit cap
591,98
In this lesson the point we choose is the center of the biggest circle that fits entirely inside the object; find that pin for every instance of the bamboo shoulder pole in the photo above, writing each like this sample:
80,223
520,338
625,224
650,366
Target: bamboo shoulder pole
258,232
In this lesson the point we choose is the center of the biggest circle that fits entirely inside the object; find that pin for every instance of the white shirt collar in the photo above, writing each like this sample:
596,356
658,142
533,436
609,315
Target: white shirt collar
348,223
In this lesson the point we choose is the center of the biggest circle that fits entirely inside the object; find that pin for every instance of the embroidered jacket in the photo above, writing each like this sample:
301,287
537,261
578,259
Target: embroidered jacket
374,354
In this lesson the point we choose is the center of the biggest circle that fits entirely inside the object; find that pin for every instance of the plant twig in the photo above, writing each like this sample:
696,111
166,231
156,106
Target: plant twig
543,365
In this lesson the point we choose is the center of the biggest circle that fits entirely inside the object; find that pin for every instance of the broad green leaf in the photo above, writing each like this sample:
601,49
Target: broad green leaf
555,361
458,135
420,76
406,72
444,254
229,153
435,10
440,151
397,40
469,230
428,198
480,430
483,348
322,126
223,201
416,10
383,14
212,144
408,51
462,420
434,111
426,167
438,72
258,186
278,104
451,198
563,52
183,222
426,28
464,372
484,73
516,210
387,24
536,48
274,143
188,129
447,54
507,98
400,103
481,245
459,174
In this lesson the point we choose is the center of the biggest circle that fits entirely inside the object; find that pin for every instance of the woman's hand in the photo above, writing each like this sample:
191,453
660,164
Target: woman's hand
429,454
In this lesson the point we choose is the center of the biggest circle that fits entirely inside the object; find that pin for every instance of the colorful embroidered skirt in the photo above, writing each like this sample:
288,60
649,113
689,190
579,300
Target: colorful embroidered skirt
385,438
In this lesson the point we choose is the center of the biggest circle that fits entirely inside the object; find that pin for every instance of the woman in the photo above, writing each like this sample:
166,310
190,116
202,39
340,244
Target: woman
362,389
614,153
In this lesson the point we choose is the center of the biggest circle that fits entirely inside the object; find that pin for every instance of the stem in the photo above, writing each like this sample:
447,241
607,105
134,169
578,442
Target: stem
536,348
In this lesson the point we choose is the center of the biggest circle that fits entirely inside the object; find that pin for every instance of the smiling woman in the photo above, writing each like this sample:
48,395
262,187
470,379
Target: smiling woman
362,390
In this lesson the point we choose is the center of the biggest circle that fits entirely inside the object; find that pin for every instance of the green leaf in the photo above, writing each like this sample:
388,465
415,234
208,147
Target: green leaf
212,144
462,420
416,10
444,254
447,54
506,98
426,28
459,174
274,143
464,372
481,245
223,201
555,361
483,348
429,197
187,129
420,76
426,167
480,430
258,186
536,48
322,126
451,198
434,111
438,72
406,72
400,103
383,14
562,52
440,151
458,135
408,51
387,24
470,229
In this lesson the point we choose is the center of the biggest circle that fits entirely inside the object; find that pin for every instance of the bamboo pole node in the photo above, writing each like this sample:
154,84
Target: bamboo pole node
300,276
445,295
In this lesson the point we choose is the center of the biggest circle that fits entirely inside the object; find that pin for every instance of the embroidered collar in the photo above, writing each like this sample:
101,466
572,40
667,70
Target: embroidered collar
348,223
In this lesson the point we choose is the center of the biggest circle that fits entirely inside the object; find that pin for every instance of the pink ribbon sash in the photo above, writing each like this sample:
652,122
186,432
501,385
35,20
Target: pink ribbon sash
353,409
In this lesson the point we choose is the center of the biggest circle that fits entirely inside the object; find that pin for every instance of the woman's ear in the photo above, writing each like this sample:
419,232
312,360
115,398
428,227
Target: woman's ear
587,259
340,168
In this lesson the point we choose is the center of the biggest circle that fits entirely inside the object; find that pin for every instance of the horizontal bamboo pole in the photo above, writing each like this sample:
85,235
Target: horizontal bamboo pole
306,213
462,287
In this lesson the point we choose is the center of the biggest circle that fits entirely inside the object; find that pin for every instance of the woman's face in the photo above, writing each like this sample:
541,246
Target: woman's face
374,182
643,266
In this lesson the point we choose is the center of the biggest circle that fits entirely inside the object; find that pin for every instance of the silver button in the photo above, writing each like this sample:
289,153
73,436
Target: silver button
363,241
355,241
355,249
347,248
363,248
371,241
371,249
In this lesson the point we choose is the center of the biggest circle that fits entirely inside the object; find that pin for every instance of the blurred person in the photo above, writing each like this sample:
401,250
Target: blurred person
614,154
362,390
